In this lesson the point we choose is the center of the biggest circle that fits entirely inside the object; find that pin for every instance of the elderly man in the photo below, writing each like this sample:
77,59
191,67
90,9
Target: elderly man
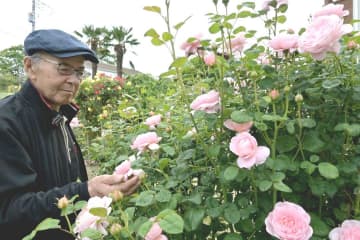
40,160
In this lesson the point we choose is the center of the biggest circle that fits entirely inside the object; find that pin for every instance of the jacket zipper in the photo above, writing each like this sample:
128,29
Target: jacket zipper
66,137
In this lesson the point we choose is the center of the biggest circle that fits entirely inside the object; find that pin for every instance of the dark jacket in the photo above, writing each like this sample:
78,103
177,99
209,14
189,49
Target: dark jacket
35,169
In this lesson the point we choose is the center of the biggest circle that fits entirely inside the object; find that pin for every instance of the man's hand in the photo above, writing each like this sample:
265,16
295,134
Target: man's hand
103,185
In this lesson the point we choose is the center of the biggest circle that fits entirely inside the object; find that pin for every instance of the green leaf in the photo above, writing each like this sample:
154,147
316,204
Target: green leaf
278,176
320,228
290,127
232,213
281,19
214,28
194,198
145,198
166,36
327,84
47,223
233,236
231,173
163,195
168,150
273,118
171,222
265,185
193,218
286,143
144,228
98,211
312,142
151,33
282,187
244,14
354,130
308,122
179,62
240,117
157,42
155,9
328,170
308,167
92,234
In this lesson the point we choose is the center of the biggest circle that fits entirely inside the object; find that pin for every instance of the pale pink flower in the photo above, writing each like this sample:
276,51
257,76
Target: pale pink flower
238,127
210,59
86,220
323,36
289,221
264,59
238,43
349,230
283,42
75,122
209,102
125,169
145,141
245,146
191,45
274,94
332,9
155,233
153,121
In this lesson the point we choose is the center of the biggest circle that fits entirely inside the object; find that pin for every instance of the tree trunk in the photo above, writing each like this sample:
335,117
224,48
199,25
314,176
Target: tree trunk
120,51
93,65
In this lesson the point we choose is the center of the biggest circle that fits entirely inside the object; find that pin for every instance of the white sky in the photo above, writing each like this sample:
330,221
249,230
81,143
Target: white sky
71,15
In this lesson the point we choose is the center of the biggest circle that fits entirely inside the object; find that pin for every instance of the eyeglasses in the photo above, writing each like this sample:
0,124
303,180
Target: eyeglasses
64,69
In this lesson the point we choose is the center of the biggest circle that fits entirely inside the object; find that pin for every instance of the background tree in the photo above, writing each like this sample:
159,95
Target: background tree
119,38
11,66
95,39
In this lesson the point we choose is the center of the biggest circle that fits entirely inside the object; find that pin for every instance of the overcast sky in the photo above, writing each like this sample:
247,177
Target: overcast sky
71,15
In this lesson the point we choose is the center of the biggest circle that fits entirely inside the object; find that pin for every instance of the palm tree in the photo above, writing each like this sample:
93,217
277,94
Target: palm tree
119,38
95,39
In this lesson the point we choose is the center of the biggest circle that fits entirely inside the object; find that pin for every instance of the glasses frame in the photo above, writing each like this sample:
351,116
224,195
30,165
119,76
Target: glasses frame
67,71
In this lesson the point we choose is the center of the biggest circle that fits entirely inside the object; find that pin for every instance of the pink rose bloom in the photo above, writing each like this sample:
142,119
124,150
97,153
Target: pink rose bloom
349,230
332,9
238,43
323,36
192,46
283,42
289,221
155,233
210,59
238,127
75,122
153,121
245,146
145,141
86,220
125,169
209,102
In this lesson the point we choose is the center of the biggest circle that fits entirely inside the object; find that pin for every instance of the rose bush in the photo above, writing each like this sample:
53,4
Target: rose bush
261,142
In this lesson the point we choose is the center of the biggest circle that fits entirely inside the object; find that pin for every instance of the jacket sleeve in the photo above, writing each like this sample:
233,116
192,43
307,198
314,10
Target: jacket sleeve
20,203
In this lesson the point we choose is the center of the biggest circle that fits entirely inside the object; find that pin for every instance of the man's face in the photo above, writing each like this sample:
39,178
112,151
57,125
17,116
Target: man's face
56,79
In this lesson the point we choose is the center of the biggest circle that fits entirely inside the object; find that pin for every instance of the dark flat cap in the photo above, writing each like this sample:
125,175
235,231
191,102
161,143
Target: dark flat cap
57,43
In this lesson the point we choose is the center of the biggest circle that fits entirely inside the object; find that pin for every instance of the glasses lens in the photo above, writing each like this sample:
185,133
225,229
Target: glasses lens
65,70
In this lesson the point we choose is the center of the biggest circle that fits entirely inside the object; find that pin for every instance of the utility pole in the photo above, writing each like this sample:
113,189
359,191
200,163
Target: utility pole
32,16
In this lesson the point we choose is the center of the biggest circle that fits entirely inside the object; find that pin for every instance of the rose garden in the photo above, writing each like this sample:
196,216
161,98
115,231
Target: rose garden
249,134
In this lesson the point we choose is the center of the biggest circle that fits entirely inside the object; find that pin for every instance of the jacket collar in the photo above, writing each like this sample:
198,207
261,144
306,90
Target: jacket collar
32,96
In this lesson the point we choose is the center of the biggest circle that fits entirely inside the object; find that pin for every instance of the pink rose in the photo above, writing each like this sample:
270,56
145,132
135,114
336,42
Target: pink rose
289,221
87,220
125,169
145,141
209,102
191,46
238,43
284,42
153,121
210,59
332,9
238,127
155,233
349,230
244,145
323,36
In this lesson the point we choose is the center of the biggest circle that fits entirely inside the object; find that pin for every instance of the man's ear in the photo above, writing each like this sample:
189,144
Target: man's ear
29,67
